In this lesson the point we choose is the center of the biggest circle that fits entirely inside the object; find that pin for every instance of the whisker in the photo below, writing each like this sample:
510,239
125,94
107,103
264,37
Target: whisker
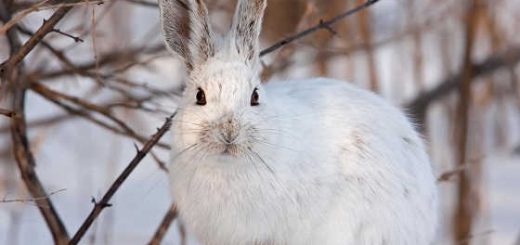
256,140
187,149
262,160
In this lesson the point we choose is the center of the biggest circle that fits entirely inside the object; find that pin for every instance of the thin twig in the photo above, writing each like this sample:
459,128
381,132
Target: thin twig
12,72
107,59
6,113
48,26
165,224
20,15
46,121
470,237
33,199
144,3
160,163
76,39
21,6
94,45
104,202
418,106
446,176
321,25
85,112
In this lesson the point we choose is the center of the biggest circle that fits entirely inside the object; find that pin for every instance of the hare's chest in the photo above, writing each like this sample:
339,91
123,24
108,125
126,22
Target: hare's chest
230,207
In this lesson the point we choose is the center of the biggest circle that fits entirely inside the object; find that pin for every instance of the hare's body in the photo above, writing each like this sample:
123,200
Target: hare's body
302,162
346,168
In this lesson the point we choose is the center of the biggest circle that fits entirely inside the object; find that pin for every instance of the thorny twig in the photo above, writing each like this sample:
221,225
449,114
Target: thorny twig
12,73
321,25
76,39
48,26
105,200
17,17
85,112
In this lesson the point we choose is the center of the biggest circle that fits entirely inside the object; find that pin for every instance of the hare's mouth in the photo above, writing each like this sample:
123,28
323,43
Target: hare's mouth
230,150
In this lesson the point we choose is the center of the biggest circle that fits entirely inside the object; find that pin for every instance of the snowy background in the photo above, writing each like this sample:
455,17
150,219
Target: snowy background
411,47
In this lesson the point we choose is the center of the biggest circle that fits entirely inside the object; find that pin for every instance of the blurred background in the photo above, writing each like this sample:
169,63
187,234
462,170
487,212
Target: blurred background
101,82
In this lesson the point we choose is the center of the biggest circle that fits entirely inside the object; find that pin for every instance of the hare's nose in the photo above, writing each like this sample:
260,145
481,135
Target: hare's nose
229,136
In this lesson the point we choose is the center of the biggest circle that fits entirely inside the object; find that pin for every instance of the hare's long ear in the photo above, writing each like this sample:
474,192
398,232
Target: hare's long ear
246,27
186,30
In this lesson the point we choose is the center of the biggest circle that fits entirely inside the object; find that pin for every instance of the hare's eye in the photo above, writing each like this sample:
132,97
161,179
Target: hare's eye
254,98
201,97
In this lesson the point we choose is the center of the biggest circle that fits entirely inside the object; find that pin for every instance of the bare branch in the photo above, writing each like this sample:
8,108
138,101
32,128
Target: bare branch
12,73
160,163
111,58
165,224
144,3
17,17
87,107
104,202
76,39
446,176
6,113
34,199
463,218
321,25
418,106
29,6
48,26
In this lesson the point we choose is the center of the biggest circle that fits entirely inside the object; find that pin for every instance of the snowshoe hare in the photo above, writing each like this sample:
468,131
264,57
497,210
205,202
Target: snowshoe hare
314,161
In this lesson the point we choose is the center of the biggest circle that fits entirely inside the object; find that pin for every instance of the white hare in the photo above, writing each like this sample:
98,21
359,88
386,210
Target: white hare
314,161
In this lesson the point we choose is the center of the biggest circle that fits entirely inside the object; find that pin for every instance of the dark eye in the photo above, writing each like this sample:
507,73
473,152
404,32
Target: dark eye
254,98
201,97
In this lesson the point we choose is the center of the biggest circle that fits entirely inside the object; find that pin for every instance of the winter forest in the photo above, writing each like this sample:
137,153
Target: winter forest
88,90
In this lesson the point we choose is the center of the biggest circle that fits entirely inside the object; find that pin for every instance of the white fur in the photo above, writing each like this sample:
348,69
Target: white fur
319,161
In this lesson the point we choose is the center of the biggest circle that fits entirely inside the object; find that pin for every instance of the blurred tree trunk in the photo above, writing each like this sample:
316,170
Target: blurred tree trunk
417,55
366,37
324,38
278,22
464,209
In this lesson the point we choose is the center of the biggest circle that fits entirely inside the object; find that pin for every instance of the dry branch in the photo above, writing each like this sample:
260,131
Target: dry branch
144,3
86,112
33,199
366,36
48,26
30,6
448,175
12,73
107,59
327,25
6,113
76,39
17,17
463,216
418,106
165,224
104,202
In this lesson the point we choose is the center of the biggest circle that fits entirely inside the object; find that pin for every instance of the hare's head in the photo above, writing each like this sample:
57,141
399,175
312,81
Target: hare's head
223,101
